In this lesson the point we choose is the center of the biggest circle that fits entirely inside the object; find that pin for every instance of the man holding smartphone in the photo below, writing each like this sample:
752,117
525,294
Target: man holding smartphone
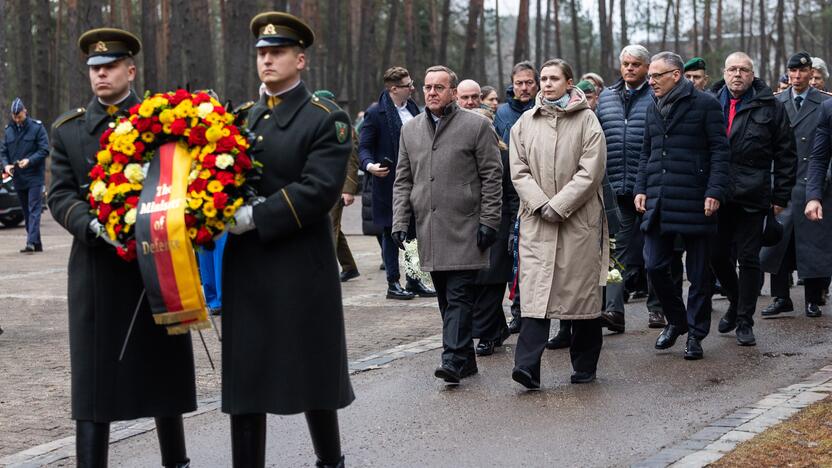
378,150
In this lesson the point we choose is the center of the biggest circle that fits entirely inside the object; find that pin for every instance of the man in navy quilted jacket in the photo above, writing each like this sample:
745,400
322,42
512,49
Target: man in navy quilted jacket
683,177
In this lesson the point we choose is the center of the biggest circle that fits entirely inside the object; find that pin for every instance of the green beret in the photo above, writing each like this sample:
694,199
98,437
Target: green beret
696,63
586,86
276,29
106,45
324,93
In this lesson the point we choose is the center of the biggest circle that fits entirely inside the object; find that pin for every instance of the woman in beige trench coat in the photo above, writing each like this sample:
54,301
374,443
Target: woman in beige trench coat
558,160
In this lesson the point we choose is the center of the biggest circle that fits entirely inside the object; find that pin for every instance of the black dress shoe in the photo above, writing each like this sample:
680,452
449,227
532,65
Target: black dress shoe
419,289
340,464
381,267
560,340
347,275
485,348
779,305
38,247
469,369
524,378
613,320
693,348
638,295
582,377
668,336
656,320
728,321
813,310
1,330
745,335
514,325
447,373
28,249
395,291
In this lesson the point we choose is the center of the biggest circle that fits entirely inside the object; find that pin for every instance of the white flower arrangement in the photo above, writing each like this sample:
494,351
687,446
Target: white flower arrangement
409,258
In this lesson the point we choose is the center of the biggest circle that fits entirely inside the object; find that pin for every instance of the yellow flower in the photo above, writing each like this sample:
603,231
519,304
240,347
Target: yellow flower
166,128
134,173
209,210
98,189
213,134
226,132
194,203
192,233
229,211
137,187
146,109
126,228
111,231
215,186
113,218
205,174
167,117
183,109
104,157
239,180
129,149
241,141
238,202
130,216
148,137
115,168
208,149
229,118
124,189
219,225
206,196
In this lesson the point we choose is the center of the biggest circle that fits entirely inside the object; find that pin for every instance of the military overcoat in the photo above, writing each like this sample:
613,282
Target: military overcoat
284,349
156,375
811,238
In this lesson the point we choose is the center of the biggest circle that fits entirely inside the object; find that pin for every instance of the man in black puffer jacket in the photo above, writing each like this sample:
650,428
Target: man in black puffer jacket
760,138
683,176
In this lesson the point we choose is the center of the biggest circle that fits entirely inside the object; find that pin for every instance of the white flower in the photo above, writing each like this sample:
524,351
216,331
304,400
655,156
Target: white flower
193,175
134,173
410,261
204,109
130,216
614,276
224,160
123,128
98,189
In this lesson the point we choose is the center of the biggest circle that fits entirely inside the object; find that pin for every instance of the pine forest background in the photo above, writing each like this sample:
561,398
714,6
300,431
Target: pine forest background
207,43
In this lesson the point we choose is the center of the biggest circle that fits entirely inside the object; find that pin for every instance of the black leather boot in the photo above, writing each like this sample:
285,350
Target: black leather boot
563,337
326,438
171,435
92,443
248,440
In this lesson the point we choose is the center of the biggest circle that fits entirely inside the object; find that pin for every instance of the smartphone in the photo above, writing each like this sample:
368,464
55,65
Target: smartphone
387,163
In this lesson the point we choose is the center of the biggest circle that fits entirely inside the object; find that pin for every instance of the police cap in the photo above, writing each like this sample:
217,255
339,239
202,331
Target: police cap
106,45
799,60
276,29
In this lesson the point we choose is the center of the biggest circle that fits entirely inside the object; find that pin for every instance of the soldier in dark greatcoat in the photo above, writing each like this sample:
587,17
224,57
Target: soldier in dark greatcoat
284,349
155,377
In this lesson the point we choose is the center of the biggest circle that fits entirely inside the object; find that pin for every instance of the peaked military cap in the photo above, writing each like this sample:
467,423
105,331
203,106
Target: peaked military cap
106,45
696,63
799,60
274,28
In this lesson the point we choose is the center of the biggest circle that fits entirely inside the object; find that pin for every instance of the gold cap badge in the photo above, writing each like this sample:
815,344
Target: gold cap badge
269,29
100,46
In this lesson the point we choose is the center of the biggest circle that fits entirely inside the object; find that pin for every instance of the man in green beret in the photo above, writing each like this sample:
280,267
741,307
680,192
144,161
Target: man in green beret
590,92
153,376
284,349
697,73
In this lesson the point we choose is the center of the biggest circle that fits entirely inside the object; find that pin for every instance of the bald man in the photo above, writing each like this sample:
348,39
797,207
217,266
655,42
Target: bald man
468,94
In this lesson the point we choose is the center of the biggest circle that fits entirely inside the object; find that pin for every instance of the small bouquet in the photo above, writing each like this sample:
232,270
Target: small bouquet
409,257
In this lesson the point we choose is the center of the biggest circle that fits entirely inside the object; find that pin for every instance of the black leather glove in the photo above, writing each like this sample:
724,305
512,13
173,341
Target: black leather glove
486,236
399,237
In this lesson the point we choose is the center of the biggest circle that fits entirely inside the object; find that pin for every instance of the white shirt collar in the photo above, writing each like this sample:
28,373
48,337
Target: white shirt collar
297,83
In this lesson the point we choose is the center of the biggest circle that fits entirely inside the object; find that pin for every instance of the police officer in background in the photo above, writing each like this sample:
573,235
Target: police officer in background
155,377
284,349
23,154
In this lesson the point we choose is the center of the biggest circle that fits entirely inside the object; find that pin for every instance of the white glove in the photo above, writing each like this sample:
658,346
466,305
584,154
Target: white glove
243,220
101,233
549,214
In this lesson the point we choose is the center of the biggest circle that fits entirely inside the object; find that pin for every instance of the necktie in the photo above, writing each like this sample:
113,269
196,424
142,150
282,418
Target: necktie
797,102
273,101
111,110
732,112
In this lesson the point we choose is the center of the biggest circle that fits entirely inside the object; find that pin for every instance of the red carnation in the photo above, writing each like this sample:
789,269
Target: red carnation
178,97
132,200
143,125
244,161
139,148
117,229
200,98
190,219
220,200
128,253
197,136
225,178
226,144
209,161
178,127
104,212
135,109
219,110
203,236
118,178
97,172
120,158
156,128
198,185
105,136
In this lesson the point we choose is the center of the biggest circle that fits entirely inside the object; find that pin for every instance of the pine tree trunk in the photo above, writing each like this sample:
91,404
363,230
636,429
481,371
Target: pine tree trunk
719,25
443,35
780,52
150,25
4,71
623,13
521,37
391,33
676,31
576,36
764,55
368,75
333,45
538,35
666,22
602,21
199,52
482,72
558,41
43,39
471,33
695,28
742,25
796,42
237,52
497,34
23,69
409,41
706,28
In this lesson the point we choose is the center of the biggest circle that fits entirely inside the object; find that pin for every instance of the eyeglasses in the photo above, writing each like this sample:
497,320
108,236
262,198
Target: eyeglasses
437,88
412,84
655,76
738,70
527,84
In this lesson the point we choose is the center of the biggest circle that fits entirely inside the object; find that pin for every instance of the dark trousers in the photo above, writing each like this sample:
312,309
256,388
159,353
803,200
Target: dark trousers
488,316
743,229
814,288
455,293
342,249
515,304
390,256
584,347
31,202
658,255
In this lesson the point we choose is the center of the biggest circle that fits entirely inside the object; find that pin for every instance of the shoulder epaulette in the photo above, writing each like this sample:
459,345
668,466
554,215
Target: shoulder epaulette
244,107
67,116
37,121
325,104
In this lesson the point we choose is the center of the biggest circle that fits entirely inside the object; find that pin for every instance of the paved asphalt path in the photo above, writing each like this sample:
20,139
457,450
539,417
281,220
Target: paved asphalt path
643,400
